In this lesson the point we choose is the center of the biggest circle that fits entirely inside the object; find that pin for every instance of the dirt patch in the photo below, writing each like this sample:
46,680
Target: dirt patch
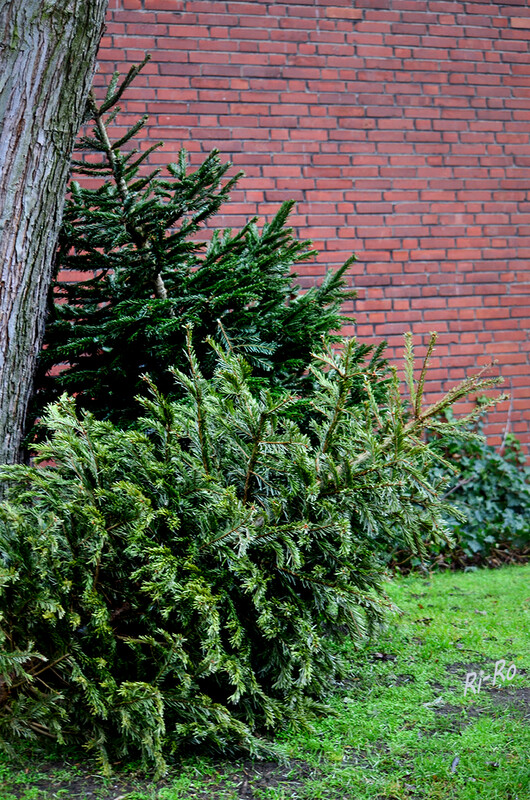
241,782
86,786
461,669
513,697
502,695
269,775
402,678
453,719
466,712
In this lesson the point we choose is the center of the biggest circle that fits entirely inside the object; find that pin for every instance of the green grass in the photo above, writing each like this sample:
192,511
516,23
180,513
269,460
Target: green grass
400,728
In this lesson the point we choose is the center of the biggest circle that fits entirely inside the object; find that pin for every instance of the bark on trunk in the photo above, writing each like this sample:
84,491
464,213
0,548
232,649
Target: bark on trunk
47,55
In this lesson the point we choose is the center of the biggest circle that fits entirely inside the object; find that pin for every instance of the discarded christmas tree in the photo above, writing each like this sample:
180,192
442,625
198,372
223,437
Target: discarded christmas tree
190,582
135,238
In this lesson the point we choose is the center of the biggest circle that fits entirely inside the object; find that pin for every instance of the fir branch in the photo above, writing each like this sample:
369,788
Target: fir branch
421,381
228,533
116,165
115,95
346,589
409,367
253,456
199,405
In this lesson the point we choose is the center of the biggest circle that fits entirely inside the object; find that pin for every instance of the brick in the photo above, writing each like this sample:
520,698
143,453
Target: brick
343,12
159,5
520,22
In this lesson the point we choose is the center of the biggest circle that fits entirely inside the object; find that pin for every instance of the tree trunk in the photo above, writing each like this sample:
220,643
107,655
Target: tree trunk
47,55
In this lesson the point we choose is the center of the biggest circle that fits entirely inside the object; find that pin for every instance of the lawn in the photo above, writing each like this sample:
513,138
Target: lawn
400,725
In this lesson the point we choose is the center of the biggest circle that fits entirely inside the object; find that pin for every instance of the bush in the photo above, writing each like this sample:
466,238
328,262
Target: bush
134,239
188,582
492,491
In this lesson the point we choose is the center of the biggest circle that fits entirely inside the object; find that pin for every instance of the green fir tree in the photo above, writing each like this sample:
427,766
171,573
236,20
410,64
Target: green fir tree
146,276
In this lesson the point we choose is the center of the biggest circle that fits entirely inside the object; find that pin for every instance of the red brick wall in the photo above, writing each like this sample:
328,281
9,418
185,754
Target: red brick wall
402,129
